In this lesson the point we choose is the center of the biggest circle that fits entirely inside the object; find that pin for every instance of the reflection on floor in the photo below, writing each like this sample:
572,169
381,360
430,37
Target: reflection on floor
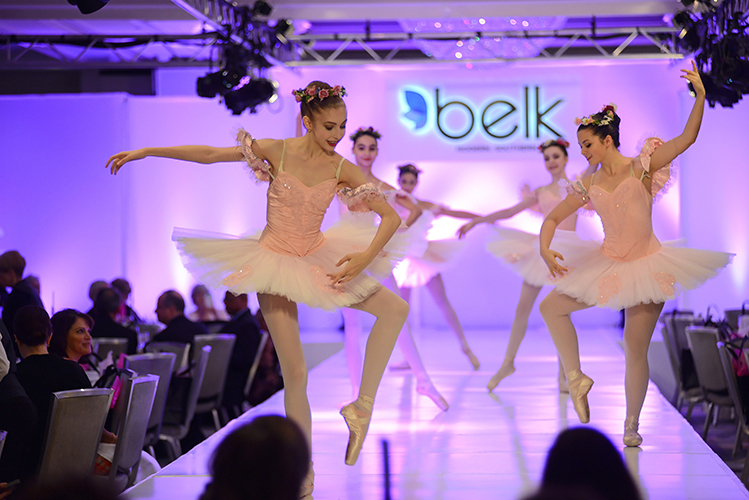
486,446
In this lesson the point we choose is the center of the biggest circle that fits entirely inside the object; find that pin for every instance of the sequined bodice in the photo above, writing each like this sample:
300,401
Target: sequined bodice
548,199
626,216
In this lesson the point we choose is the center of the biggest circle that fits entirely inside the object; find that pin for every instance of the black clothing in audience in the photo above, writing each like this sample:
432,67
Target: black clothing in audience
106,327
247,333
21,295
181,329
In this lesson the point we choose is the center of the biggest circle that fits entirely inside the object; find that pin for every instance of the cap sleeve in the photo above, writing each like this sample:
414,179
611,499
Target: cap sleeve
528,194
577,189
660,180
357,199
259,167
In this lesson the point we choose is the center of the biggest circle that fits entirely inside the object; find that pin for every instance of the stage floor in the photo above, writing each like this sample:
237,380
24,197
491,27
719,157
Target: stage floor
486,446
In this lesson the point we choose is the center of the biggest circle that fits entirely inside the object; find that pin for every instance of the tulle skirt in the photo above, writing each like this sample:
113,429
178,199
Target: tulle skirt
521,251
597,280
418,271
242,265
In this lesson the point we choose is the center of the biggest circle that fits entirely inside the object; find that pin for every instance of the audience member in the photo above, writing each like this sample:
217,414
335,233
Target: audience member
267,458
41,373
34,283
106,307
17,415
76,488
71,334
128,315
247,333
583,459
93,291
205,312
170,310
12,265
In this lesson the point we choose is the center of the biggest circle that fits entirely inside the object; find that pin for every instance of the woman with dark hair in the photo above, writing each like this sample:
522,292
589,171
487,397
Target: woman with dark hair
71,334
520,250
631,270
265,459
293,261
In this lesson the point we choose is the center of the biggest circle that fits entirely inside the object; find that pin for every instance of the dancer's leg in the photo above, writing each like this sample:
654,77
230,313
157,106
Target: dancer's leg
436,287
283,325
639,324
528,296
352,329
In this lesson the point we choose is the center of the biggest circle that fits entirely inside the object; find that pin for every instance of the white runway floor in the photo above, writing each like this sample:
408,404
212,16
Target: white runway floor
486,446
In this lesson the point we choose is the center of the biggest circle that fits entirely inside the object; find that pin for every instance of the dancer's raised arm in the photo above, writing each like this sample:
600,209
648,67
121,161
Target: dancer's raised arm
498,215
567,207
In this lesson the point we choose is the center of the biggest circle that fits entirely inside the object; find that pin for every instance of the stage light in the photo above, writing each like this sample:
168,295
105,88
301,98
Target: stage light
88,6
221,82
261,8
253,93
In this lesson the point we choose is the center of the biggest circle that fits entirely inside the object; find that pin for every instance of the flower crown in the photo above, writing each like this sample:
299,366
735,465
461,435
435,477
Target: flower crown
409,169
554,142
364,131
308,94
608,117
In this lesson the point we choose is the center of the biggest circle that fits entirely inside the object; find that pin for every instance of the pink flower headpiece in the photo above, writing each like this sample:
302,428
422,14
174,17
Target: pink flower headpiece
607,117
364,131
409,169
308,94
554,142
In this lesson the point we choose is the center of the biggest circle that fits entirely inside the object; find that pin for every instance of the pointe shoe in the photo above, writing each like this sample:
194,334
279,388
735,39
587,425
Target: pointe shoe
631,436
308,484
579,385
503,372
427,389
564,387
471,357
358,425
402,366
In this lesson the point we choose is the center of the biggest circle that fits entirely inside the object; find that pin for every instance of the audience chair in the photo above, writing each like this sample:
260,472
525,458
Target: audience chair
726,358
172,433
179,349
212,390
3,435
104,345
134,405
693,395
703,341
253,370
74,430
161,364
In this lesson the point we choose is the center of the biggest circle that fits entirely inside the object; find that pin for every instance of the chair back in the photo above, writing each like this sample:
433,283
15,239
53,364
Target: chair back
135,402
212,388
154,363
103,345
179,349
256,362
74,428
3,435
681,323
674,356
726,358
198,372
703,342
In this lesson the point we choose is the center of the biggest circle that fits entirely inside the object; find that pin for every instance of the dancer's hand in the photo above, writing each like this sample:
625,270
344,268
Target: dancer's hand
467,227
118,160
550,257
355,264
693,77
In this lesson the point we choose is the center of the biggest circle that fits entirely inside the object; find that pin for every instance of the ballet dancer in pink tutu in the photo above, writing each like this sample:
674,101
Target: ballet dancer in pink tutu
631,270
425,270
520,250
411,236
292,261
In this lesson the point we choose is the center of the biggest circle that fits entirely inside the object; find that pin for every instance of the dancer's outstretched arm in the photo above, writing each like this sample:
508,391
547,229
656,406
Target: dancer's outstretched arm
414,209
567,207
499,215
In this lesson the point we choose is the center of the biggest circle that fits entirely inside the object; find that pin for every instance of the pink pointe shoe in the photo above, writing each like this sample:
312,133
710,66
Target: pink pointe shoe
504,371
308,484
580,385
631,437
427,389
471,357
357,416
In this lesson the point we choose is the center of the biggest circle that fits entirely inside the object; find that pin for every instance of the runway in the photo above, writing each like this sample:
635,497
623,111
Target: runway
486,446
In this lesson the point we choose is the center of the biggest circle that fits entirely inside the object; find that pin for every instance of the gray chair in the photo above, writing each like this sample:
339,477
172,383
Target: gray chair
172,433
253,370
103,345
3,435
212,390
675,349
703,341
726,357
161,364
179,349
134,405
76,421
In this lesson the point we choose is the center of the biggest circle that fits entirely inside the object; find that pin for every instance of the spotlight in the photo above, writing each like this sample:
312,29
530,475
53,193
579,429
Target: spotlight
88,6
221,82
261,8
252,94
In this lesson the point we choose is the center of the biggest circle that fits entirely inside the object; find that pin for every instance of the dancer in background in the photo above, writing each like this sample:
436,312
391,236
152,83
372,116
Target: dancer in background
520,250
415,271
293,261
632,270
365,151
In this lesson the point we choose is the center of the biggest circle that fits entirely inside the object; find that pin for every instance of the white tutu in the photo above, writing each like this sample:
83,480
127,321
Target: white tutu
412,272
521,251
242,265
600,281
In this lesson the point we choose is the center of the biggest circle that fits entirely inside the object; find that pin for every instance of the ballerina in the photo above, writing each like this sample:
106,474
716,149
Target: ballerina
631,270
426,270
520,250
293,261
365,151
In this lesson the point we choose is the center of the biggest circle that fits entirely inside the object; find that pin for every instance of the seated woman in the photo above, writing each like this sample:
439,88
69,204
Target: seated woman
71,339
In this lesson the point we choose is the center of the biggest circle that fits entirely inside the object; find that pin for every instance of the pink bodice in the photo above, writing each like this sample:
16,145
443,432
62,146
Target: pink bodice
626,216
548,200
